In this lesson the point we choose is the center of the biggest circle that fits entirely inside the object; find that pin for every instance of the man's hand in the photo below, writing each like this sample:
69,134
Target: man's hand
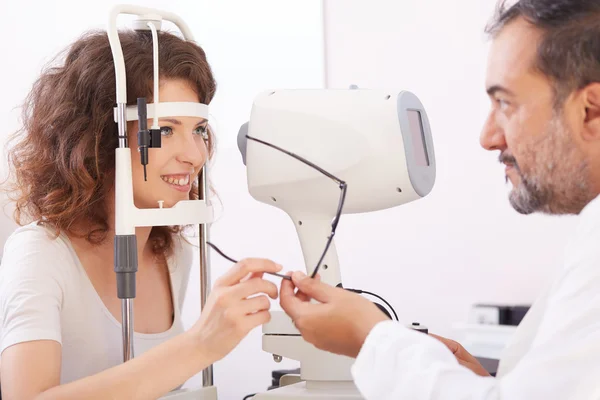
340,324
464,358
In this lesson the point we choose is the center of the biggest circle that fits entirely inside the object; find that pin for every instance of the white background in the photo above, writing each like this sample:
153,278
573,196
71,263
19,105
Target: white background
431,259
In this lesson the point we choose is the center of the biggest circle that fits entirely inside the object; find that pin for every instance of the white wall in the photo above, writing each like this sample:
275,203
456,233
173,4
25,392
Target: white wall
252,46
462,244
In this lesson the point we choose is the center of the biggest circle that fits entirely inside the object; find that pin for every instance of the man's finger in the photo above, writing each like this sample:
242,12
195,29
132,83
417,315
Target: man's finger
312,287
298,294
465,364
302,297
450,344
286,289
288,300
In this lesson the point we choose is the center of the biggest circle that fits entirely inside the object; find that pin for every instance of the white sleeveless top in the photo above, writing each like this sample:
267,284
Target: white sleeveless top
45,293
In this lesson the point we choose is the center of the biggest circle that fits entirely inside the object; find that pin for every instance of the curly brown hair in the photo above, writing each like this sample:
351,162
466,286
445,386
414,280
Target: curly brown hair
63,161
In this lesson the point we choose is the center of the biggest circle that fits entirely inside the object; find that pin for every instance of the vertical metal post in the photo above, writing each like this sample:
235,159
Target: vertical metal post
205,283
122,116
126,303
127,323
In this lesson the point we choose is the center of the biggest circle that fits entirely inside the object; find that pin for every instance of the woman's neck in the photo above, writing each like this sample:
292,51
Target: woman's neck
105,250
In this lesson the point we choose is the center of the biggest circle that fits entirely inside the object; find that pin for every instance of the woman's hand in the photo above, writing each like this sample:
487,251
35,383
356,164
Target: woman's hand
237,304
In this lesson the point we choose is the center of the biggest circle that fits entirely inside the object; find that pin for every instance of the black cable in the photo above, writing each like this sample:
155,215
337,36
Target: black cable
215,248
379,297
342,185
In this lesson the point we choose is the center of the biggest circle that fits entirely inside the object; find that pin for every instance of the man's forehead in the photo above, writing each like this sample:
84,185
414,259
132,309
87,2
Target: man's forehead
512,54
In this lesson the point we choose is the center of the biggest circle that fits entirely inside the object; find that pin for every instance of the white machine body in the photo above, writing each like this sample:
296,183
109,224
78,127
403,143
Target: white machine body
379,143
358,135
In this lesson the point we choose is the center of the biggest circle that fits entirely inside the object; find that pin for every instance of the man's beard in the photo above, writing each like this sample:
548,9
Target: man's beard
557,180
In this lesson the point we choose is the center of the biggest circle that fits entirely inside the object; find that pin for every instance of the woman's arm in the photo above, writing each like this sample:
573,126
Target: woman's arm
31,370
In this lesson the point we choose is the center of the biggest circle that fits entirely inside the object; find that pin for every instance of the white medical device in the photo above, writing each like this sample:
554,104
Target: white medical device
127,215
379,143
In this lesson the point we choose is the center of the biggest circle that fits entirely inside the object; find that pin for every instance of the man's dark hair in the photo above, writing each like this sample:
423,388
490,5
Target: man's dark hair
569,51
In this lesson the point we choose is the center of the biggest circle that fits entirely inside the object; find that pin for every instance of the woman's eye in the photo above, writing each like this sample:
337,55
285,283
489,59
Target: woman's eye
202,131
166,130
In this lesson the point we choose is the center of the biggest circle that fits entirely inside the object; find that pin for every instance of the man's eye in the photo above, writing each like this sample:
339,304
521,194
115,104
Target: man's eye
166,130
503,104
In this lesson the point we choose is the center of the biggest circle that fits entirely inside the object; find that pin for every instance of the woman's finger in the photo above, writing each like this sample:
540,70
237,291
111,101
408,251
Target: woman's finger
254,305
245,267
254,286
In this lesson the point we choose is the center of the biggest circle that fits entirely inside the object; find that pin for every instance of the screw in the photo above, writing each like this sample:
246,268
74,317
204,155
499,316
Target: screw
277,358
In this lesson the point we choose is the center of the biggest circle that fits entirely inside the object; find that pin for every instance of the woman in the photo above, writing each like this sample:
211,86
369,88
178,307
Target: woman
61,320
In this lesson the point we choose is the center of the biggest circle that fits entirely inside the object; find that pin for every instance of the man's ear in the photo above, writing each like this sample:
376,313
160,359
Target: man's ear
591,101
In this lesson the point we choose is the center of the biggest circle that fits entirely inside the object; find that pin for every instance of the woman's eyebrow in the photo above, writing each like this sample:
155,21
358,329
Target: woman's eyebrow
178,122
171,120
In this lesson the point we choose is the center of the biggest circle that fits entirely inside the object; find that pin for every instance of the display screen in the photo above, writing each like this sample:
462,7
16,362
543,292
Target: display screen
418,138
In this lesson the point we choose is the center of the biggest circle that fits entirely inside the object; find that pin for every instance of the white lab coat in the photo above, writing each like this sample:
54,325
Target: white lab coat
555,352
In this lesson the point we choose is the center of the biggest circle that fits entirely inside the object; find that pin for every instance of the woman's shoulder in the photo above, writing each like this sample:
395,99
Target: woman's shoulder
31,246
34,234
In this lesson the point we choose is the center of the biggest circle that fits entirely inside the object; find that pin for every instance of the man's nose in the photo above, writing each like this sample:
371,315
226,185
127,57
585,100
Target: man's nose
492,136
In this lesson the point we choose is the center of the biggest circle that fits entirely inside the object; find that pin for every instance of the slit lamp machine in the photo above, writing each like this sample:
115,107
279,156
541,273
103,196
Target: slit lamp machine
315,154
